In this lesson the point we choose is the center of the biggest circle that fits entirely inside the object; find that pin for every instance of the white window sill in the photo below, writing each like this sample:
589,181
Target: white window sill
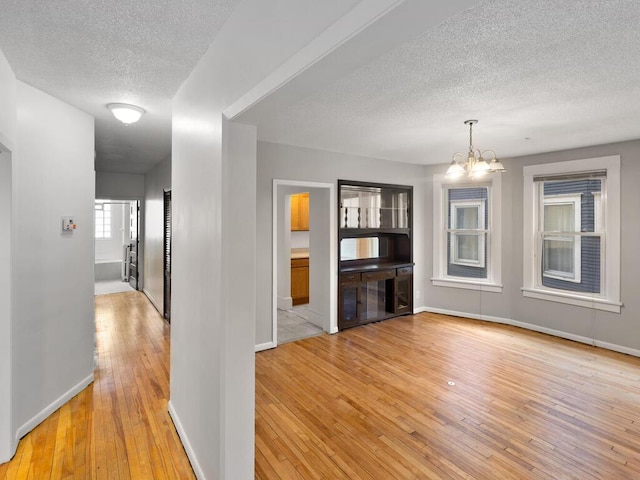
573,299
467,284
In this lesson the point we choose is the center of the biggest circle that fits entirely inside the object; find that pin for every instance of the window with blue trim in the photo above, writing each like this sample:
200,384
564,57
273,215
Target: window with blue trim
468,226
569,238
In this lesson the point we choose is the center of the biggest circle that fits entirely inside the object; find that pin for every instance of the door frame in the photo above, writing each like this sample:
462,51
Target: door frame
332,325
8,440
141,228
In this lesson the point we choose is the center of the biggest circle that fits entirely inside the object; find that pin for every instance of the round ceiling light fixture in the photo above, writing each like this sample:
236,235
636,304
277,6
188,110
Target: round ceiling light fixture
126,113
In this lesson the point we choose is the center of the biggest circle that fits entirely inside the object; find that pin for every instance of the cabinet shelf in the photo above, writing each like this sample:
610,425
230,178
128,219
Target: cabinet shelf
366,232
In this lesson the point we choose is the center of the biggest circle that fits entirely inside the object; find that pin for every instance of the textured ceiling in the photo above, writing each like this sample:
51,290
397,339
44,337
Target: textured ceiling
539,75
90,53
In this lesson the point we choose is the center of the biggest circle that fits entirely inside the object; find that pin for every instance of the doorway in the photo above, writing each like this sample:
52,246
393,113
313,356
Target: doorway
320,311
117,223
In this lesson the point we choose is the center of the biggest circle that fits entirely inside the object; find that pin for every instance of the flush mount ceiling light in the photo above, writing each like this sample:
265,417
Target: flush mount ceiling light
474,164
126,113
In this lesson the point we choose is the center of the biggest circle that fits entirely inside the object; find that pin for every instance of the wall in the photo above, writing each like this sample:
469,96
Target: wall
155,182
7,154
302,164
300,239
119,186
618,331
53,330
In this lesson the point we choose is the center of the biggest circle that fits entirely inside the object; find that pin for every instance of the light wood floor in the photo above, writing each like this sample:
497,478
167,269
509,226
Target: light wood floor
118,427
375,402
370,403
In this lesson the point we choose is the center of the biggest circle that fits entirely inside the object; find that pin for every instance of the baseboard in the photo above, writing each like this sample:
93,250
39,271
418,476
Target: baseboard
185,442
153,302
265,346
420,310
40,417
285,303
536,328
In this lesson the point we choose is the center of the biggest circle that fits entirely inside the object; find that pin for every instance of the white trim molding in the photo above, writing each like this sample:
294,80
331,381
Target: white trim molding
468,285
197,469
536,328
493,182
52,407
265,346
609,299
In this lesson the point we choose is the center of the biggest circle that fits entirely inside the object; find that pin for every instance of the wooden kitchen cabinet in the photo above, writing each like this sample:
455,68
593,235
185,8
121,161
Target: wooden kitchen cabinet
300,212
300,281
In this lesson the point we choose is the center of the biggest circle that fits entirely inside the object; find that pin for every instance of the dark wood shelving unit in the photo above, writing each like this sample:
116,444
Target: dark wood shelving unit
375,251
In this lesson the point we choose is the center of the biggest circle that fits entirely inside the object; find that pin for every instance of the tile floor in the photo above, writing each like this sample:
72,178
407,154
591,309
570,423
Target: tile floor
112,286
293,325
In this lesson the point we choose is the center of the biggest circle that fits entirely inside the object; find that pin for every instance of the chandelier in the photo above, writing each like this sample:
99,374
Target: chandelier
474,163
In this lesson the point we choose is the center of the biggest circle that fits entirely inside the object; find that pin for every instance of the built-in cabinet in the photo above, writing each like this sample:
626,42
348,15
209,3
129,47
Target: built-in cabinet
300,212
300,281
375,252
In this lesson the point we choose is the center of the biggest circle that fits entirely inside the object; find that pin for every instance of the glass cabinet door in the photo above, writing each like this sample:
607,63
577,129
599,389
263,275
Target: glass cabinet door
349,305
373,296
403,293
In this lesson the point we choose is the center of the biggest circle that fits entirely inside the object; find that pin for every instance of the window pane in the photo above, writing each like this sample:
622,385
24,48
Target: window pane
468,248
559,217
558,257
467,218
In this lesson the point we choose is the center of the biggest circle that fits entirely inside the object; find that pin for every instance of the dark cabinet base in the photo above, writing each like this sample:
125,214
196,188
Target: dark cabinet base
374,295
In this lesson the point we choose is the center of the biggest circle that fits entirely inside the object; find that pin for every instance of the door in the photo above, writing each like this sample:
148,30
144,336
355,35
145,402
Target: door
134,243
167,256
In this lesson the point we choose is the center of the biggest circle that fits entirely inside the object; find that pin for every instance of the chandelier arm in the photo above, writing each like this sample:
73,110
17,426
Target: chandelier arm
491,152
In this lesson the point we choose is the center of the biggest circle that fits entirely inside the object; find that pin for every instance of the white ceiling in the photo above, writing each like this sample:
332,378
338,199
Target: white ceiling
92,53
539,76
559,73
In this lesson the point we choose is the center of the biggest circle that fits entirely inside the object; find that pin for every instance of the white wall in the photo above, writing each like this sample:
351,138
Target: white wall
320,257
304,164
300,239
155,182
7,153
617,331
53,330
119,186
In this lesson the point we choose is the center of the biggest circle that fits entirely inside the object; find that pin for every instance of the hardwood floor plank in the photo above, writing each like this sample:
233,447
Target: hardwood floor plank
118,427
375,402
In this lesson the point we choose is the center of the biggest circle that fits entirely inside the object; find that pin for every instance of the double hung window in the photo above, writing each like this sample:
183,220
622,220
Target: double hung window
572,232
467,234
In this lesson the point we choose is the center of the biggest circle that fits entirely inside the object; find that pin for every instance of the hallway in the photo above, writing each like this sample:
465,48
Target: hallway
118,427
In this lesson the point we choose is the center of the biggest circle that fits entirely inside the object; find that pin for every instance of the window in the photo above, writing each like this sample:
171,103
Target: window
467,234
572,232
561,248
103,219
467,229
